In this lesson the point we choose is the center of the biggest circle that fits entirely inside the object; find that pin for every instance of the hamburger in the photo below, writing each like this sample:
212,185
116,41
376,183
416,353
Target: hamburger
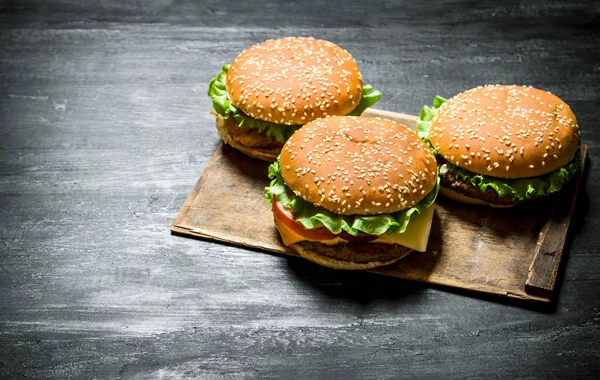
353,192
501,145
273,88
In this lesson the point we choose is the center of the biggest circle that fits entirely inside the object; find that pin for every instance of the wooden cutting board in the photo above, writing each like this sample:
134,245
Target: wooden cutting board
509,252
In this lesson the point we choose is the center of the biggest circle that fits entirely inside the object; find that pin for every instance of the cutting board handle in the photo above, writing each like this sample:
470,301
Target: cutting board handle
545,265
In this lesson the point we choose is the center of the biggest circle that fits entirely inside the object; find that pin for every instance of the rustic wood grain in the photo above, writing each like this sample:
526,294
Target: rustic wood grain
105,128
541,277
472,248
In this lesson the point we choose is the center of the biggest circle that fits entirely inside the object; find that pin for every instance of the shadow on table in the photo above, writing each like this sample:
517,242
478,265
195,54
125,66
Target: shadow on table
364,287
358,286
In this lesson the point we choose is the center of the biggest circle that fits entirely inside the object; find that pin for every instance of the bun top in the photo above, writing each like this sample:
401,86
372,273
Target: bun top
506,131
358,165
294,80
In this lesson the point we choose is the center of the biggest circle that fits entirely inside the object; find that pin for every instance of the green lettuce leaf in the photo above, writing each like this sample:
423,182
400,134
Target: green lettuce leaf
521,188
518,189
425,117
312,216
369,97
281,132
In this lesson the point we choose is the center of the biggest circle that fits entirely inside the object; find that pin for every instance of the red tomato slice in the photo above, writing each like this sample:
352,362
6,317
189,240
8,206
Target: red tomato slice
284,214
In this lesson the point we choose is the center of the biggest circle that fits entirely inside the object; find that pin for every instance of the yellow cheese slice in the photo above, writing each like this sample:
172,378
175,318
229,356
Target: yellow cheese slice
415,237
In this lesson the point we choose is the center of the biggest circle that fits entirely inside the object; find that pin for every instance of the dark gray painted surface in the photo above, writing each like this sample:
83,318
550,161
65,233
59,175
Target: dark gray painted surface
105,129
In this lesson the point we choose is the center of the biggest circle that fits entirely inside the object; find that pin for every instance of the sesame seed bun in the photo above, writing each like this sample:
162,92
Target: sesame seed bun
249,142
351,256
294,80
358,165
506,131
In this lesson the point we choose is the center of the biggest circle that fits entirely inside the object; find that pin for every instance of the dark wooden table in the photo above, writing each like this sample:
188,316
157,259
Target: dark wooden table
105,129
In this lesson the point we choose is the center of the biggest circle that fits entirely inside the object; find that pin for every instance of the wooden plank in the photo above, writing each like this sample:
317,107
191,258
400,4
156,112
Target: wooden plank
470,247
546,261
402,118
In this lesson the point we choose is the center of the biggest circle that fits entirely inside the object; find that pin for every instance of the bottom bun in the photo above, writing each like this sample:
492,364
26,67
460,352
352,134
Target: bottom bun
263,147
456,196
351,256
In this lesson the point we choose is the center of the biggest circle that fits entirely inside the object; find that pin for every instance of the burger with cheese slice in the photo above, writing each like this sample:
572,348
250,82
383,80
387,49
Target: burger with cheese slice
353,192
273,88
502,145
